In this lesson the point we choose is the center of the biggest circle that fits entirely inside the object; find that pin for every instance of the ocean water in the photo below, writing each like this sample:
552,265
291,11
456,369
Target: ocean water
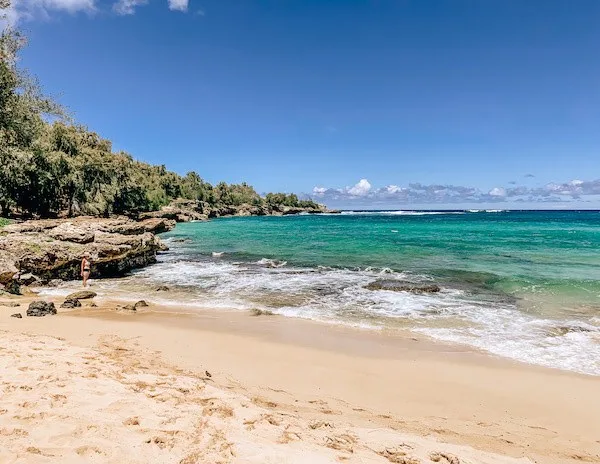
522,285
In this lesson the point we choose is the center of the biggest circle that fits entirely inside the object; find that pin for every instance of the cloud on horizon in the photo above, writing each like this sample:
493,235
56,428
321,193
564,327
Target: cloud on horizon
363,194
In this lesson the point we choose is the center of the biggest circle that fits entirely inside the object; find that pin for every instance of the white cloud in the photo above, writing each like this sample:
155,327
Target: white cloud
498,192
363,194
26,10
393,189
362,188
178,5
127,7
71,6
29,9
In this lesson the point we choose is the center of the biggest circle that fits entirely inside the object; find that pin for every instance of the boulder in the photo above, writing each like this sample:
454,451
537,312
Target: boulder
28,279
140,304
71,303
401,286
82,295
162,288
128,308
40,308
13,287
17,315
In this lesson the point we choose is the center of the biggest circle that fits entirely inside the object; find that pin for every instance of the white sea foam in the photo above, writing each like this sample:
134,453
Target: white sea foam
511,334
271,262
486,211
398,213
338,296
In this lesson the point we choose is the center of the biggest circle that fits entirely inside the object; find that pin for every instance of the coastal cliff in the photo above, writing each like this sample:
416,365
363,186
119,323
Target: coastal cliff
52,249
182,210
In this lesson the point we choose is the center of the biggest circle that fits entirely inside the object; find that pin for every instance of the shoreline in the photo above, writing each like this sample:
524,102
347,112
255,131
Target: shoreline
452,393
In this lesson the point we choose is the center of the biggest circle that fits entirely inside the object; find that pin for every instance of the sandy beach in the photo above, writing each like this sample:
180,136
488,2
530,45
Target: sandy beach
96,385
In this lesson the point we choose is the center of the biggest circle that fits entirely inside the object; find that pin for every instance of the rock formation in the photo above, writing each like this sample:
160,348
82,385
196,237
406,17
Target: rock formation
40,308
51,249
401,286
192,210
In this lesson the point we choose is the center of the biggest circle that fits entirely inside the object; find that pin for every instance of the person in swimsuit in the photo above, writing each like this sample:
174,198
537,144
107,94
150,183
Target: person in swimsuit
85,268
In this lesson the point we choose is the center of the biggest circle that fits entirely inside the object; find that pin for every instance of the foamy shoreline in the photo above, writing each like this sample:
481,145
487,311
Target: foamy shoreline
500,331
280,390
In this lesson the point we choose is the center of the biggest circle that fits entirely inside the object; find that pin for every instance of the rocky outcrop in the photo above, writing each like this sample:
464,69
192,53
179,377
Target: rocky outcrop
82,295
13,287
401,286
8,269
28,279
191,210
51,249
41,308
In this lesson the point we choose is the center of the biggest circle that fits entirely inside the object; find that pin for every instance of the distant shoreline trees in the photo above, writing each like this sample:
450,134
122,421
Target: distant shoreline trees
49,166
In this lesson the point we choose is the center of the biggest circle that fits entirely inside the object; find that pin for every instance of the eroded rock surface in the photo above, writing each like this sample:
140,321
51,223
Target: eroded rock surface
53,248
41,308
401,286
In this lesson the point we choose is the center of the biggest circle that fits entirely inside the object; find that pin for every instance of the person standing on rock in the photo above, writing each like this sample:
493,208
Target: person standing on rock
86,264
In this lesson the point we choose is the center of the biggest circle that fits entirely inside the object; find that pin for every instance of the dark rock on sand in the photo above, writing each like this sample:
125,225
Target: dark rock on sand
261,312
40,308
129,307
400,286
140,304
162,288
71,303
17,315
82,295
13,287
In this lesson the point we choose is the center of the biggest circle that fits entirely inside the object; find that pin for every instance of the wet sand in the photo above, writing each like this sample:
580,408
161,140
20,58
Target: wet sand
324,393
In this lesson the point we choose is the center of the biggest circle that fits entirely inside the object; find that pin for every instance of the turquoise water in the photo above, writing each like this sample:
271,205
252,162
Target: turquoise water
523,285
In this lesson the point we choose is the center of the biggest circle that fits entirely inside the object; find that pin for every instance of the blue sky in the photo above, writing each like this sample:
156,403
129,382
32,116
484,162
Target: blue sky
368,103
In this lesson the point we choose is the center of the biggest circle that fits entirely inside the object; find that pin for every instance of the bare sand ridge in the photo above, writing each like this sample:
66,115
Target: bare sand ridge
93,385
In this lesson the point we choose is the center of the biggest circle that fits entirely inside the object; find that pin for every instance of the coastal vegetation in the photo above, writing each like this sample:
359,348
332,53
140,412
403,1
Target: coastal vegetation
51,166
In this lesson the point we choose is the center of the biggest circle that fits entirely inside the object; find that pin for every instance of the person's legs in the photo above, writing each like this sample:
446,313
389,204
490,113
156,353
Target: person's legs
86,276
